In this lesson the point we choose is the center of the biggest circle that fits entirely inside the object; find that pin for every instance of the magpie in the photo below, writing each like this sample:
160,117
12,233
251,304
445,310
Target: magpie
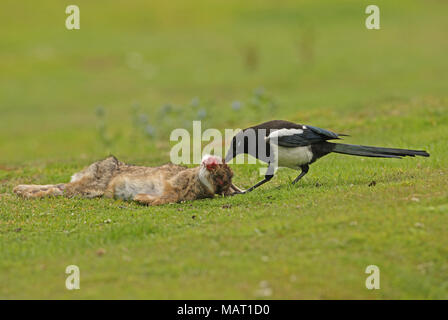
282,143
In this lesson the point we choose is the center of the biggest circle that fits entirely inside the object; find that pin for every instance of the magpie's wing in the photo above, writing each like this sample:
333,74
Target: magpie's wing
306,136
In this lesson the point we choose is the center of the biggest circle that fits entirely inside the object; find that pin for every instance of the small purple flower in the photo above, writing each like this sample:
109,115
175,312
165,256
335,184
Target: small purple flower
236,105
150,130
143,118
195,102
202,113
259,92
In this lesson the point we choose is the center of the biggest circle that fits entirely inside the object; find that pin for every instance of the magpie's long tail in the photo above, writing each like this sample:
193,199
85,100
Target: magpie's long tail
365,151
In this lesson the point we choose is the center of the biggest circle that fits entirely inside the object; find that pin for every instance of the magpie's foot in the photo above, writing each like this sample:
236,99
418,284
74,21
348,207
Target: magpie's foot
296,183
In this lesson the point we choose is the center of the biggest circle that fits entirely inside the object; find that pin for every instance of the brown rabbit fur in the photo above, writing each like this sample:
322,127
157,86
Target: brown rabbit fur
147,185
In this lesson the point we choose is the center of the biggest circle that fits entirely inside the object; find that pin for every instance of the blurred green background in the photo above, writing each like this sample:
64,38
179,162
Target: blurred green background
138,69
306,55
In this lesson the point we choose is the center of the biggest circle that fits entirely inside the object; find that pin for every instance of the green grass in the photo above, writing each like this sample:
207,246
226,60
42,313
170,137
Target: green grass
317,65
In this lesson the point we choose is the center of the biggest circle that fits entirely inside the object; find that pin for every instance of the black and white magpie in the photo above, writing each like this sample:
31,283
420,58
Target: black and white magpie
286,144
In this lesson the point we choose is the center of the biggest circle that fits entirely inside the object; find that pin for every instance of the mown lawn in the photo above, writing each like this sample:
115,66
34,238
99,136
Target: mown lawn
139,69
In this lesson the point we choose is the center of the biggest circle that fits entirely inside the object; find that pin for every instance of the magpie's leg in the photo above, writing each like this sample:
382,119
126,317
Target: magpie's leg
266,179
305,169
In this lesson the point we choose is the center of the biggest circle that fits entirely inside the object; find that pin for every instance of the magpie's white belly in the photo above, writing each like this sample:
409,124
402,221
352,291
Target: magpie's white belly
293,157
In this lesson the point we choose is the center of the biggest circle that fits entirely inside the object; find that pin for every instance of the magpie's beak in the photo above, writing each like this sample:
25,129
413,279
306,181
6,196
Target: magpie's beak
229,156
232,152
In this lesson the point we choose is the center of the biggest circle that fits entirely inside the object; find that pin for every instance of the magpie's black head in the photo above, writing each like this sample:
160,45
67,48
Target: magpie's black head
239,144
250,141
